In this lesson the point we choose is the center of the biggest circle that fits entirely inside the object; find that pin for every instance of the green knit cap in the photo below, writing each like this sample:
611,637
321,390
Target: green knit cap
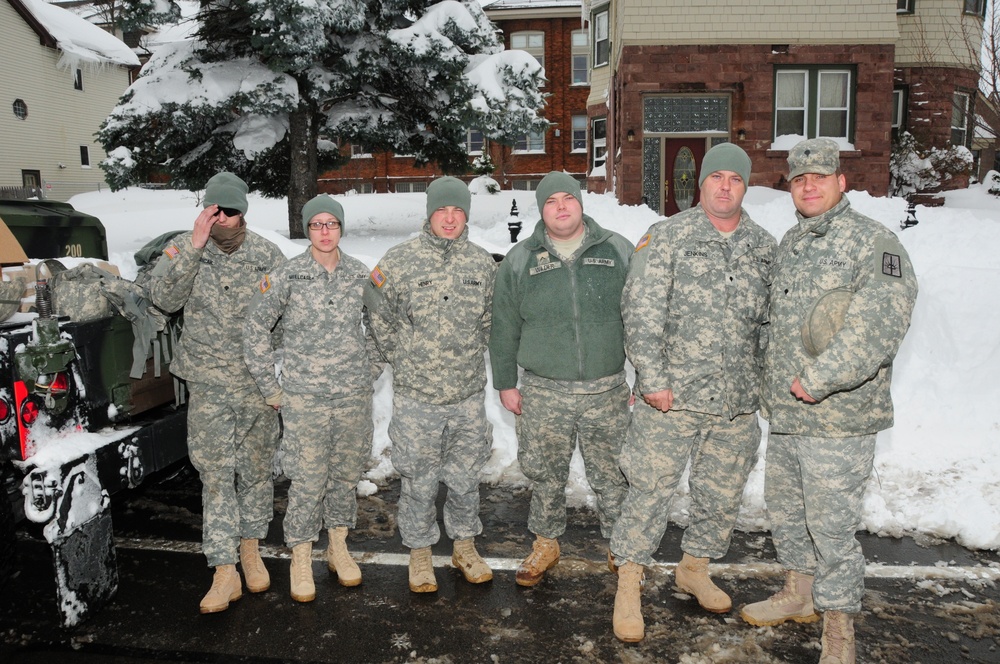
726,157
226,190
554,183
321,203
448,191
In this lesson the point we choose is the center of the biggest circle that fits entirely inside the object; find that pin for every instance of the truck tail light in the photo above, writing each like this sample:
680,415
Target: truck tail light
29,412
5,410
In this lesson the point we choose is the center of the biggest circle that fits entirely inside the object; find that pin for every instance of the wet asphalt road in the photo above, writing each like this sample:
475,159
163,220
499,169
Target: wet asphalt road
935,603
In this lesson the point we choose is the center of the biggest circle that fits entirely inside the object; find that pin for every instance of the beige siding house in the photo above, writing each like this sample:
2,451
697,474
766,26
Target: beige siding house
60,78
671,79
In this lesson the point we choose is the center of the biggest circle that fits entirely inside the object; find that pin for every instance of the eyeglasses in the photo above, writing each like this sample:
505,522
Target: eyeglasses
330,225
229,212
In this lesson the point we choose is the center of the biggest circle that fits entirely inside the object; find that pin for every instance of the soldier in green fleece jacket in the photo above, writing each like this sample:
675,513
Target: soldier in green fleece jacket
557,314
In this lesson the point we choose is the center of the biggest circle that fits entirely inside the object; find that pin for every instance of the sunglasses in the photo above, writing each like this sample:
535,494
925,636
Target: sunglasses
229,212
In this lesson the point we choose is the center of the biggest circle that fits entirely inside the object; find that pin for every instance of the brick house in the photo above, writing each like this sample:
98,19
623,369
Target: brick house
552,31
668,81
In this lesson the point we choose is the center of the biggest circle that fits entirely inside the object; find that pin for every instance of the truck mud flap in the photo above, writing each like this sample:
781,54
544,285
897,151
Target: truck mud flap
86,568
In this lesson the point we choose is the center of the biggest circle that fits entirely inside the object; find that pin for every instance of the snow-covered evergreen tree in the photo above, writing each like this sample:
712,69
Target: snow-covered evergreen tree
269,87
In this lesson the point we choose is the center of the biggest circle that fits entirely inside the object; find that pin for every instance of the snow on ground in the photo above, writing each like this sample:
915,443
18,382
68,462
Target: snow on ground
935,470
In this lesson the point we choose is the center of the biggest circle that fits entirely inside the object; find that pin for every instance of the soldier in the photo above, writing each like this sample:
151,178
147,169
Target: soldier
843,292
694,305
557,314
325,394
212,273
429,301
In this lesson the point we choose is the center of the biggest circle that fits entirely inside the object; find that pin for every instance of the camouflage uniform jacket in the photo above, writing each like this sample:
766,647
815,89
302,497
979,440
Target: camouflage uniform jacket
214,289
429,301
694,305
838,249
326,350
560,319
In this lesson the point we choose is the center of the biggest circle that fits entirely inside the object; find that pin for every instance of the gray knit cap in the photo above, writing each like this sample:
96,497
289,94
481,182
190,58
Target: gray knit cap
448,191
226,190
726,157
554,183
321,203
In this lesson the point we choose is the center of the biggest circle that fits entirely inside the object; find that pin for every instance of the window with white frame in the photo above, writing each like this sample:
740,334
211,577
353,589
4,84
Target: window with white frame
581,55
904,6
959,119
532,43
525,185
602,42
599,140
359,152
85,156
411,187
365,188
814,101
531,142
898,110
977,7
579,133
474,141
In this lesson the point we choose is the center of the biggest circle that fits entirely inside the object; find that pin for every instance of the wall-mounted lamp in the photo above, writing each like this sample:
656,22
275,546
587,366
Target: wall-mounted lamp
630,136
741,135
62,165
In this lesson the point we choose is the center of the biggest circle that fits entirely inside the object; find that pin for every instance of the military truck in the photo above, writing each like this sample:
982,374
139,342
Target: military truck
86,410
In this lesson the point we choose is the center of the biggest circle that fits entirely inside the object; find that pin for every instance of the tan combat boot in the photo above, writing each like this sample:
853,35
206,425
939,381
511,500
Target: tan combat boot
226,588
627,620
793,602
257,578
465,557
544,556
339,560
302,586
691,576
422,579
838,638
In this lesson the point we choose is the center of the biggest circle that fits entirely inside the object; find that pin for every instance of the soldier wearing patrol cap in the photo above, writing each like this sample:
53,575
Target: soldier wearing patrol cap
843,293
212,272
429,300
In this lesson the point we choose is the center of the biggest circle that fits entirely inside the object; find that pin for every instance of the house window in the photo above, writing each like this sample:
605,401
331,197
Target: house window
602,45
78,80
898,110
474,141
904,6
579,133
814,101
530,42
85,156
581,51
365,188
599,134
360,152
959,119
531,142
977,7
411,187
20,109
525,185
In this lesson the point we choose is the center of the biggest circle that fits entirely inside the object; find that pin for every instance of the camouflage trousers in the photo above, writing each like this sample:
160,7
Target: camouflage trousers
432,444
232,438
326,444
548,429
814,488
658,447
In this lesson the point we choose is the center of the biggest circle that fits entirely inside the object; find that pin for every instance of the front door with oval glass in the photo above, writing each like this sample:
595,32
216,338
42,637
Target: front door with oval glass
670,173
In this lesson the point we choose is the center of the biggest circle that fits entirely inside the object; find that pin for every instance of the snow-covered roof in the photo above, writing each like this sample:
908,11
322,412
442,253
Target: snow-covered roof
77,38
528,4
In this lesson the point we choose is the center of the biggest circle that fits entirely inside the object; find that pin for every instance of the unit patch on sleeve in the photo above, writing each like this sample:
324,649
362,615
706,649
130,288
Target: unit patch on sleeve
892,265
378,278
265,284
643,241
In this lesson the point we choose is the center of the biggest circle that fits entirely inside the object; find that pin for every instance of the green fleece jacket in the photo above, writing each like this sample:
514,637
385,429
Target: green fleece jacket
560,319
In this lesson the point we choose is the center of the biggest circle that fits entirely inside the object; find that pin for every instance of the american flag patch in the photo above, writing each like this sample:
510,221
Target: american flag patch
642,242
265,284
172,251
377,277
